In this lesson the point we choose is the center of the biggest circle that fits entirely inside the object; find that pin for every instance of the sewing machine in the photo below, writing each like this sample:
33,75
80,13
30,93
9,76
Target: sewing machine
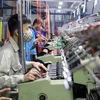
48,87
74,78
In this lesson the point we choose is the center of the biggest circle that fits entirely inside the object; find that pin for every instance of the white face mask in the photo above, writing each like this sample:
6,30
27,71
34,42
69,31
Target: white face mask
27,36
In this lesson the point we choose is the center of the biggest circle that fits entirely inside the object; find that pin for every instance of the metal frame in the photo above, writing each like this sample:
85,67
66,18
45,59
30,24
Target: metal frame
62,0
1,1
21,41
10,0
5,6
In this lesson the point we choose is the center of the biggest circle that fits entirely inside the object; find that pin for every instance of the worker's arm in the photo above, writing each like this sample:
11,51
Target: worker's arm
37,65
39,35
5,98
7,80
10,81
36,40
44,38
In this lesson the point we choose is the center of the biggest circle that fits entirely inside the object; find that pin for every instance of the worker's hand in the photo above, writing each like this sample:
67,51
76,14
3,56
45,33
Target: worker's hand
46,42
36,40
5,98
38,65
31,75
2,91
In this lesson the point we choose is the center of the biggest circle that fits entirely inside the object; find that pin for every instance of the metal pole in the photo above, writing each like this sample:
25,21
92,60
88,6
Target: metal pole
85,3
54,20
26,6
21,43
1,3
97,80
30,9
79,14
23,6
93,7
17,7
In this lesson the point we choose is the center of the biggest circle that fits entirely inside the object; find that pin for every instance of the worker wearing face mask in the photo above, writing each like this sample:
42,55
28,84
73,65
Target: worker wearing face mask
11,73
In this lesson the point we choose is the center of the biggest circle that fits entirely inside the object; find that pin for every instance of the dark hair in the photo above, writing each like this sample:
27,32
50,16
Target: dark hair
13,22
35,22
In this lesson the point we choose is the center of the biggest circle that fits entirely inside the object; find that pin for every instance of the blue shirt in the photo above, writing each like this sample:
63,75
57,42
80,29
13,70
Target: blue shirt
44,32
28,46
27,51
32,42
35,32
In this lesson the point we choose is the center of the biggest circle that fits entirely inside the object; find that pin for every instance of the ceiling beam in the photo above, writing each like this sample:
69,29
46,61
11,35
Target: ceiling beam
10,0
62,9
52,0
62,0
55,13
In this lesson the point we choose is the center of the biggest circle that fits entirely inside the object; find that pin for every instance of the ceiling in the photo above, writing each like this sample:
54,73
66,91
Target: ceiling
68,5
53,5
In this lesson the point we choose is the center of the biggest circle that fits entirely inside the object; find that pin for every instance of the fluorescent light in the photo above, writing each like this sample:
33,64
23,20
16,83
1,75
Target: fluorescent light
58,10
95,3
60,3
59,7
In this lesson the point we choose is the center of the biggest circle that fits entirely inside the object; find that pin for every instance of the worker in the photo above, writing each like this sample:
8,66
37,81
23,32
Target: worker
11,73
38,29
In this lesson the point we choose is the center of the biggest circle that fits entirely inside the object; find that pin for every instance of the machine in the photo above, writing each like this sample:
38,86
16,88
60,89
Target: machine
74,75
48,87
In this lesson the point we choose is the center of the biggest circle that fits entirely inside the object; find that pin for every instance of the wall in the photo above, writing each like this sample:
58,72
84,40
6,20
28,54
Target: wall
33,16
52,18
97,7
8,12
90,5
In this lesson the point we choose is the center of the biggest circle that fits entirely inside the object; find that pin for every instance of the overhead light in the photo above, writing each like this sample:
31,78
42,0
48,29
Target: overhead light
95,3
59,7
60,2
59,11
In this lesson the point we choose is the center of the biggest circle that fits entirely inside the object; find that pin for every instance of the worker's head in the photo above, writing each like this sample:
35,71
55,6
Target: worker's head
37,22
13,25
